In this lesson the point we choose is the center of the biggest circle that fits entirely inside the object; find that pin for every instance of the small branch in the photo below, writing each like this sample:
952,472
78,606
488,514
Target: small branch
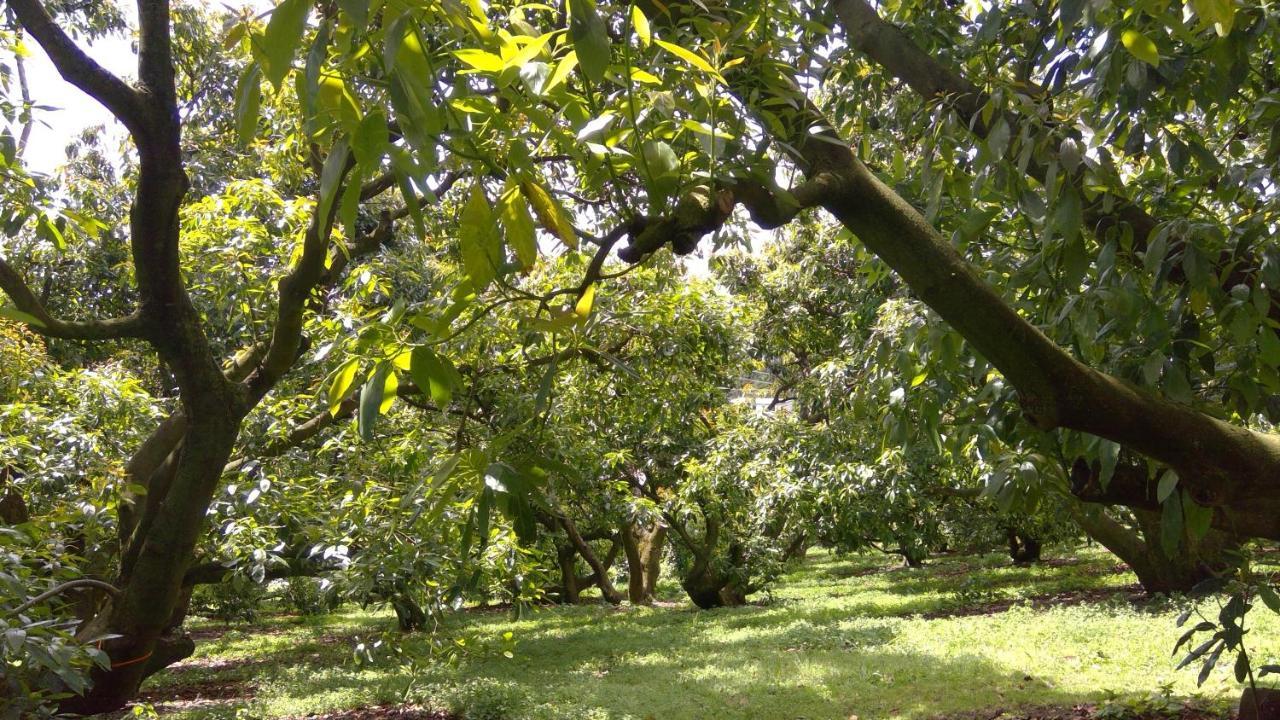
45,324
70,585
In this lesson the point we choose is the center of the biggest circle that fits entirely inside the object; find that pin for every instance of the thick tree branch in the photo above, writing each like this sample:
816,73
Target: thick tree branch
1228,467
45,324
601,570
155,57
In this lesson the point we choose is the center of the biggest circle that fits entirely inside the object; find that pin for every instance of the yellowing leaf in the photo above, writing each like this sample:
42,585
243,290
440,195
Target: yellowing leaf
583,308
642,76
389,388
480,60
513,211
641,24
1221,14
342,380
1141,47
561,73
690,57
528,52
550,214
918,379
333,98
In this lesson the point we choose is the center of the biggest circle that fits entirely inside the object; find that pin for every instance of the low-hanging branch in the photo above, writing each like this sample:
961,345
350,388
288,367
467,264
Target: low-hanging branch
129,326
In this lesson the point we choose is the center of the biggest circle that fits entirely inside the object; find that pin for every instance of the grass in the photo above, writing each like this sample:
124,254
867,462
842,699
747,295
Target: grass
838,638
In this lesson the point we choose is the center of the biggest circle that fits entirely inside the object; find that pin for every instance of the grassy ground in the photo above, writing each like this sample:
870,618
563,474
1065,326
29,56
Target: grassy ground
838,638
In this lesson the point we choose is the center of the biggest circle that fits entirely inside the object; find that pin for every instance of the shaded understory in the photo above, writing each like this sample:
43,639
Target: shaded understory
838,638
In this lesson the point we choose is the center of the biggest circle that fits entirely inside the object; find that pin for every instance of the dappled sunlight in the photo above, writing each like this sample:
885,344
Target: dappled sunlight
837,642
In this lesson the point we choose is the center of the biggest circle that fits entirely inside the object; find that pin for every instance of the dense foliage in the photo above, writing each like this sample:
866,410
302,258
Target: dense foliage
391,316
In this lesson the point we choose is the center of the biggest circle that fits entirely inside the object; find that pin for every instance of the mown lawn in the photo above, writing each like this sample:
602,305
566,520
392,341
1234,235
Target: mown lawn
837,638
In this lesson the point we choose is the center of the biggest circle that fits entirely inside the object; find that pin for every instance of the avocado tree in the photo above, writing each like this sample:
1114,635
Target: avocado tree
1105,194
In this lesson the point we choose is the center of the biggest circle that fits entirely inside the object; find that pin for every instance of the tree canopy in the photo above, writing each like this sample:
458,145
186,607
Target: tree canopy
394,301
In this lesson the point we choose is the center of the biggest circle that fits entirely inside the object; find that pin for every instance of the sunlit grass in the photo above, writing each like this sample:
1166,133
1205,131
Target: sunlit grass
837,638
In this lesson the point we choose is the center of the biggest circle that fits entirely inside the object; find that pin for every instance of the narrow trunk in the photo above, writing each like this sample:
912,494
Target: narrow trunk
651,556
644,560
1023,549
798,548
568,574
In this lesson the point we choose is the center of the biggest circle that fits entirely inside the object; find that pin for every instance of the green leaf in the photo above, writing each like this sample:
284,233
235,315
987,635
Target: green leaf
370,140
590,38
513,212
1141,47
434,374
689,57
1168,481
13,313
280,42
331,174
1197,517
1108,454
357,10
1171,524
342,379
248,103
1221,14
371,399
1269,596
402,165
561,73
479,241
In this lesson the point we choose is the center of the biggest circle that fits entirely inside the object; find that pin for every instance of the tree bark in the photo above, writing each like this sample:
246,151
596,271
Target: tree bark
568,574
643,546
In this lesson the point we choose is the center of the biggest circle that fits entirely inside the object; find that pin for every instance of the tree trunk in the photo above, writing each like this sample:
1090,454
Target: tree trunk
151,592
601,571
568,574
1023,549
1157,571
798,548
644,560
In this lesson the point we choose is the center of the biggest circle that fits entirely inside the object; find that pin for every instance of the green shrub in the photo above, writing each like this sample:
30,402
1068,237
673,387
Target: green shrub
309,596
236,600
